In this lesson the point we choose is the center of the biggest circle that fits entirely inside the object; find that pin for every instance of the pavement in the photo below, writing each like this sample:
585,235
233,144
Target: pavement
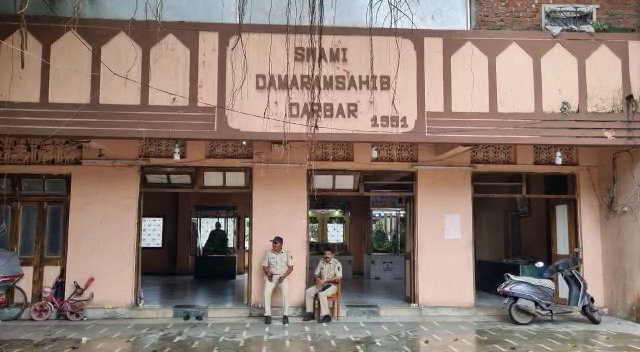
451,334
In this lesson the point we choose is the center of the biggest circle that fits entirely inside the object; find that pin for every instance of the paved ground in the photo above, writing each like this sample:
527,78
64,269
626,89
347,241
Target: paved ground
451,334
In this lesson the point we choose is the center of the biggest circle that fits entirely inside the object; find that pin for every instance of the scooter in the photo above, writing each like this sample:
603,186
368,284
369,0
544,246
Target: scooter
529,297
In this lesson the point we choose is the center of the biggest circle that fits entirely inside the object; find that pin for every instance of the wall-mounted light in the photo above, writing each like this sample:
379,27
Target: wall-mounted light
558,157
374,152
176,151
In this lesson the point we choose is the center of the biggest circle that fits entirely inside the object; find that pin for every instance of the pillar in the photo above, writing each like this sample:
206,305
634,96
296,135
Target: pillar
279,209
445,267
103,217
590,241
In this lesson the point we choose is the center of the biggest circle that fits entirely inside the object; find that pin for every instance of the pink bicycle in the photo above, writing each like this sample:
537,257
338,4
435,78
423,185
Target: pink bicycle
73,307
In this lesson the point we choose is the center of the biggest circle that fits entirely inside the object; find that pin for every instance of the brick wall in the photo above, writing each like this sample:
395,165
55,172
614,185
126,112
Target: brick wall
527,14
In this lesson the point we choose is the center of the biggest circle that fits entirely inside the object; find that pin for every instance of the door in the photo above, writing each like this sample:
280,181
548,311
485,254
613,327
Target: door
328,227
409,250
563,239
38,233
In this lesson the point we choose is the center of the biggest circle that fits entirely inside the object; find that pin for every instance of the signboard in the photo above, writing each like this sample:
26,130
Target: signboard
279,83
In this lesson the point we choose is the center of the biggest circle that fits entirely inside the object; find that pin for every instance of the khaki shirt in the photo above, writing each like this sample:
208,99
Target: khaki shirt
278,263
330,270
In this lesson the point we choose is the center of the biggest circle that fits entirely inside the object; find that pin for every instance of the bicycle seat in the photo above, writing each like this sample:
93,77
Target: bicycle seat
82,299
533,281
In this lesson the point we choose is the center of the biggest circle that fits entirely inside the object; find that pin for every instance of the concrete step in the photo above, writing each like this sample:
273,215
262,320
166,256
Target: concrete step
355,311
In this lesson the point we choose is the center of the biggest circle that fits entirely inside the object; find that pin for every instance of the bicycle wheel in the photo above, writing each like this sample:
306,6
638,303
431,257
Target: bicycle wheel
14,305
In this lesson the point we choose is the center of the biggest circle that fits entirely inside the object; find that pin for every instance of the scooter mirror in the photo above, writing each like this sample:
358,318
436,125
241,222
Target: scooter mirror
539,264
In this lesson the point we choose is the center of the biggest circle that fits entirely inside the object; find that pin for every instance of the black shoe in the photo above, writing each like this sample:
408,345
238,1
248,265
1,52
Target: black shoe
267,320
285,320
186,317
326,319
199,317
308,317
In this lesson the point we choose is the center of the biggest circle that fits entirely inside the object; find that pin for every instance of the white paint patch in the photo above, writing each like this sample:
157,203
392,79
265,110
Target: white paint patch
103,330
145,330
601,343
436,323
554,341
529,331
406,348
359,348
480,337
226,329
385,328
286,333
241,343
490,332
209,325
394,337
361,324
248,324
100,345
545,347
23,337
306,328
312,349
436,337
176,339
634,347
333,343
201,334
287,343
118,349
562,337
116,335
167,349
466,342
500,348
511,342
264,348
265,337
522,337
345,328
378,343
453,348
423,328
194,344
462,327
244,333
170,326
399,324
367,332
90,326
308,338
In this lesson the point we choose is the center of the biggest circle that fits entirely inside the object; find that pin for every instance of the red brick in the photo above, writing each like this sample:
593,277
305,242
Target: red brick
525,14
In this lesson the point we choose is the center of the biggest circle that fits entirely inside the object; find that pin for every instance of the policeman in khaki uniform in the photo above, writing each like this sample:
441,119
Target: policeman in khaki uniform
327,275
277,265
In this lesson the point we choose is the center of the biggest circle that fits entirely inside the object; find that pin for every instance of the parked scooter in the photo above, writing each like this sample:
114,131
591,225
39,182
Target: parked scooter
529,297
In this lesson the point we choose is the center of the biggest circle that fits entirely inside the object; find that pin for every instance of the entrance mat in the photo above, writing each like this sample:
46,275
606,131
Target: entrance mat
190,311
362,306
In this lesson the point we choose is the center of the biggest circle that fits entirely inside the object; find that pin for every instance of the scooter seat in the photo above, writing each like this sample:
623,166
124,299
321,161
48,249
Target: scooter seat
537,282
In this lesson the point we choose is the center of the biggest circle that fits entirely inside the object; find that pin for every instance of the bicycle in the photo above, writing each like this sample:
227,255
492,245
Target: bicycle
73,307
13,300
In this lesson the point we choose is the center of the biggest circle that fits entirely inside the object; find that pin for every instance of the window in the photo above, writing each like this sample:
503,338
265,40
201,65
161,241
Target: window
5,226
222,178
335,230
54,231
152,231
28,231
207,225
339,182
388,230
247,233
159,177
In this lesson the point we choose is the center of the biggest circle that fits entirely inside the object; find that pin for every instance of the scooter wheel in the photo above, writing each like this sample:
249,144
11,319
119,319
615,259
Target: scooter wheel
519,316
592,314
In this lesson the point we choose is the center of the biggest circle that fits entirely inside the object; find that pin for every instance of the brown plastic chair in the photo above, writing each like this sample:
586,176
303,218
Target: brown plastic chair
335,298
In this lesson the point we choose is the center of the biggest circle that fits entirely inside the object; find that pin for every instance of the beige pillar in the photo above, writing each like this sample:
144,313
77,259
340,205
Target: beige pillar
103,215
279,209
445,256
590,239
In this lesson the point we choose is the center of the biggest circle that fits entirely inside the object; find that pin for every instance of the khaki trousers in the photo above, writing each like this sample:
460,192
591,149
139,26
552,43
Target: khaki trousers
268,291
322,297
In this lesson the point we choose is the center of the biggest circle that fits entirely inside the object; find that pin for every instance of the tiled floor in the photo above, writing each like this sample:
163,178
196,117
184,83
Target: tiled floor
168,291
174,290
465,334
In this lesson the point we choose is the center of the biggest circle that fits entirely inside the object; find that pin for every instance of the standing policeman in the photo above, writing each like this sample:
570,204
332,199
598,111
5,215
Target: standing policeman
277,265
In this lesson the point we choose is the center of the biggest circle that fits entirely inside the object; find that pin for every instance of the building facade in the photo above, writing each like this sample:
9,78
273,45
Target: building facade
492,145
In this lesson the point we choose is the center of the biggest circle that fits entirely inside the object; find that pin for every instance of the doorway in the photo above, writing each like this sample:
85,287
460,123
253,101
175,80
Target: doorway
195,237
370,230
518,220
34,213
